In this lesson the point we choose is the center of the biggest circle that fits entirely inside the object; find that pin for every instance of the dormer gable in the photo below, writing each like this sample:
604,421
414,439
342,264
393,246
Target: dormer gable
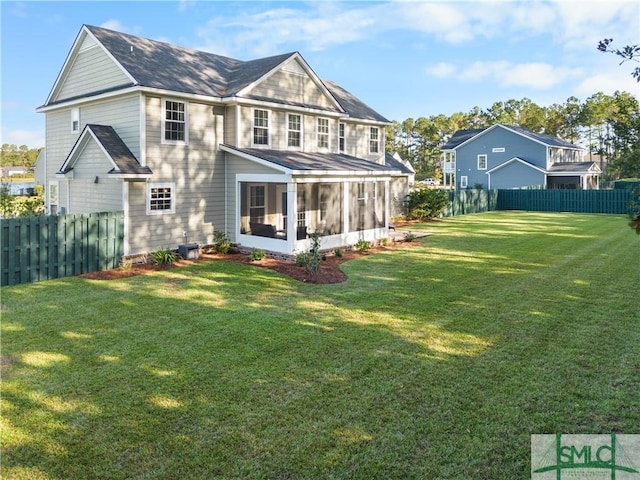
292,82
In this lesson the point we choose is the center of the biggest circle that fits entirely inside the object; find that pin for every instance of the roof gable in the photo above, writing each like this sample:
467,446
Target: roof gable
291,81
515,160
462,137
122,160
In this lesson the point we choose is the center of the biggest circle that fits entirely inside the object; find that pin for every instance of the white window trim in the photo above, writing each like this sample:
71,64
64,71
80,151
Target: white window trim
342,137
301,132
53,184
75,120
371,140
164,120
265,205
464,181
268,128
170,185
318,134
482,155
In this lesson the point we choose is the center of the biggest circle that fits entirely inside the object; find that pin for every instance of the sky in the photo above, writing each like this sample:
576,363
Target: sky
405,59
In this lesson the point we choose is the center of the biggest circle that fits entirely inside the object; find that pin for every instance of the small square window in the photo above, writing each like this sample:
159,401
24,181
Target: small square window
160,198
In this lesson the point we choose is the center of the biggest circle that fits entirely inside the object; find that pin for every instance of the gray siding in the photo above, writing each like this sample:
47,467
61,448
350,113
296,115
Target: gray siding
288,86
516,175
197,170
514,146
81,78
88,196
122,114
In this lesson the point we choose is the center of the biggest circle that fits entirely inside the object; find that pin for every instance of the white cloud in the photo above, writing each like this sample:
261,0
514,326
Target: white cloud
31,138
507,74
442,70
608,83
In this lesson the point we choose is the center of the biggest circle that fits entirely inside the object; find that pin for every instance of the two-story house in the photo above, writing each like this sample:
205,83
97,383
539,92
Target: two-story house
503,156
186,143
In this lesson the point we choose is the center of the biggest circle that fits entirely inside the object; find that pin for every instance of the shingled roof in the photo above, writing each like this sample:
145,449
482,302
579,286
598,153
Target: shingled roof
307,162
124,160
462,136
154,64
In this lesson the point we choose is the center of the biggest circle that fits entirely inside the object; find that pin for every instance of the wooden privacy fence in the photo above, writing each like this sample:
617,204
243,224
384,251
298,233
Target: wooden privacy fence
580,201
43,248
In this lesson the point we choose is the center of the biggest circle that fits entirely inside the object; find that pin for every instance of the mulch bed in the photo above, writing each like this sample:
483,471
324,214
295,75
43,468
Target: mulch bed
329,272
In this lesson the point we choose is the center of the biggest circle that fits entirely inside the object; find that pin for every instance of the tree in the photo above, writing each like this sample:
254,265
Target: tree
628,53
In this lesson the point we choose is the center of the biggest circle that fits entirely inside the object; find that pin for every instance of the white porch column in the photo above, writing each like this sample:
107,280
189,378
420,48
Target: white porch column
292,214
345,209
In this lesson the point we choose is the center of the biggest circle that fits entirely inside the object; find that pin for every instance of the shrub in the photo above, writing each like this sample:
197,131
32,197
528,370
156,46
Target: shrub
362,246
338,252
427,203
409,237
221,242
311,260
257,255
164,256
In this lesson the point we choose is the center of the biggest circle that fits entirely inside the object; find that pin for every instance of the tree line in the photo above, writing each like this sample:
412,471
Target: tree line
22,156
605,125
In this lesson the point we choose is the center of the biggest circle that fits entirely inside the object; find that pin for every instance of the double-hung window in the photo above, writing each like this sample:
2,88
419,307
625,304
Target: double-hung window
294,130
161,198
464,181
341,140
174,122
260,127
322,132
374,140
256,203
482,162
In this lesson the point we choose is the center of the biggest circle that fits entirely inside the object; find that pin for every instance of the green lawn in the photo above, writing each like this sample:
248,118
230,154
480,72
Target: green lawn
438,361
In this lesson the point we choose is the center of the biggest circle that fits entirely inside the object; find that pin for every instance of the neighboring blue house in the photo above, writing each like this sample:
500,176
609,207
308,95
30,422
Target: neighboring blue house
506,157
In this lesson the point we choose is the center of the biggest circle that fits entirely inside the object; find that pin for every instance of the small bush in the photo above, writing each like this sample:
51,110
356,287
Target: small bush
311,260
164,256
221,242
126,265
257,255
409,237
338,252
362,246
384,242
427,203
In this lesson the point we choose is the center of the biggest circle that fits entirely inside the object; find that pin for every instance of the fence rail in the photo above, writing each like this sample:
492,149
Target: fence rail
43,248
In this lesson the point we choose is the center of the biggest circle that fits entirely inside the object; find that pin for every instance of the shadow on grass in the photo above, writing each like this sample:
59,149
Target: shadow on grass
436,362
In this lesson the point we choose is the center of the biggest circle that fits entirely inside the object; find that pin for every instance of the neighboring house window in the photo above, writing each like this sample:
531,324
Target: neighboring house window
323,133
53,198
374,140
341,129
256,203
464,181
175,122
482,162
75,120
294,130
260,127
161,198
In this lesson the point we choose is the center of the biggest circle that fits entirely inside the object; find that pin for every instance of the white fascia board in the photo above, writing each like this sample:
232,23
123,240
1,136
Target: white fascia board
87,99
131,176
289,108
315,177
257,160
